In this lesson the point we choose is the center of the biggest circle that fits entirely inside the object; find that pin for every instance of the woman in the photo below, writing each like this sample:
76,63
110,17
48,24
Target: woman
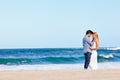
93,62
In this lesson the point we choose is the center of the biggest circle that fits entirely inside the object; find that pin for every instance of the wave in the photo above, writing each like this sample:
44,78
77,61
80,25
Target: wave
54,59
116,48
34,57
46,60
107,56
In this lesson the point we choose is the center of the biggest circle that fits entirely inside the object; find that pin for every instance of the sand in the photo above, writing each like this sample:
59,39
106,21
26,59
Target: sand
113,74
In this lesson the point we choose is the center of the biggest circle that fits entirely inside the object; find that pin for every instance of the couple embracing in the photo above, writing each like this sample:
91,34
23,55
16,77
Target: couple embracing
90,47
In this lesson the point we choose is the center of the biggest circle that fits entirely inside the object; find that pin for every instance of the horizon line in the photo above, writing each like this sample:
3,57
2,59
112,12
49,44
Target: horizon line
52,48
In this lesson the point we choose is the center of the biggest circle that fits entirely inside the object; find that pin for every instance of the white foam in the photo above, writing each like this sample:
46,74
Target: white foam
116,48
108,65
107,56
42,67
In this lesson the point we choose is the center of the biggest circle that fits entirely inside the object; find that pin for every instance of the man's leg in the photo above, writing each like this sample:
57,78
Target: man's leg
87,60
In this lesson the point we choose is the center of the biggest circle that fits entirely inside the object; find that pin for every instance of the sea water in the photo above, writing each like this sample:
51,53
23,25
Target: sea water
55,59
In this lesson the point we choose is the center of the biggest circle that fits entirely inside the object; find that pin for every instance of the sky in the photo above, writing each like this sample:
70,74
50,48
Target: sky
58,23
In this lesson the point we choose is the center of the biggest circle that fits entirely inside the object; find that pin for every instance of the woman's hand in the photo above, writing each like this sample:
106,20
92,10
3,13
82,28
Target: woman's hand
91,48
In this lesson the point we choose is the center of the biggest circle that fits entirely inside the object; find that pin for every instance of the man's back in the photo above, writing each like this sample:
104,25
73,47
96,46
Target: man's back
86,44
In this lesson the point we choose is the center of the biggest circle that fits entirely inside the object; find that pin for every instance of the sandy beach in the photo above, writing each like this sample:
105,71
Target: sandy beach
61,75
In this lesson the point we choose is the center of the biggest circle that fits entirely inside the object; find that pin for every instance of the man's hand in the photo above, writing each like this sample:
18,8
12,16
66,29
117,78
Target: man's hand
91,48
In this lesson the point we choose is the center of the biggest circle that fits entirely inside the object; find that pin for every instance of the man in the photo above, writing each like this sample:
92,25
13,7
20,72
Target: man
86,48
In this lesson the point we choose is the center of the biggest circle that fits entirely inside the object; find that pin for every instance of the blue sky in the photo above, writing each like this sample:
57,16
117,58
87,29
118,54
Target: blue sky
58,23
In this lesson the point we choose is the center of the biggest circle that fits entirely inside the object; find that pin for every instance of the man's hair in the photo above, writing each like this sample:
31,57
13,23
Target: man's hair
89,32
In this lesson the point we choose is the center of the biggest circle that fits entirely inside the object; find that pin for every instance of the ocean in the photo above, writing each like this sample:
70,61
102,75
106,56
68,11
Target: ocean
55,59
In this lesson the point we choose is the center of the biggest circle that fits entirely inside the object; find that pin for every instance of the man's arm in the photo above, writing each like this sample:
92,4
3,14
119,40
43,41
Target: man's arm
88,41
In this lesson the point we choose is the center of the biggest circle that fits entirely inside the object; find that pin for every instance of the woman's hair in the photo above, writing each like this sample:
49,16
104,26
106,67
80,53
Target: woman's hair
96,34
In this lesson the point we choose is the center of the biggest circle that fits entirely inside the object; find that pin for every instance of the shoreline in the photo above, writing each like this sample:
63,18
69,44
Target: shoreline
104,66
107,74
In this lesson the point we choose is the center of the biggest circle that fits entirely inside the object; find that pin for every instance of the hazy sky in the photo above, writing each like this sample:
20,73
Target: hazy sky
58,23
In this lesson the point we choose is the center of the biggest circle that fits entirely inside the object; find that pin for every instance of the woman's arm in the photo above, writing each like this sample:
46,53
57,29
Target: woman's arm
97,46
